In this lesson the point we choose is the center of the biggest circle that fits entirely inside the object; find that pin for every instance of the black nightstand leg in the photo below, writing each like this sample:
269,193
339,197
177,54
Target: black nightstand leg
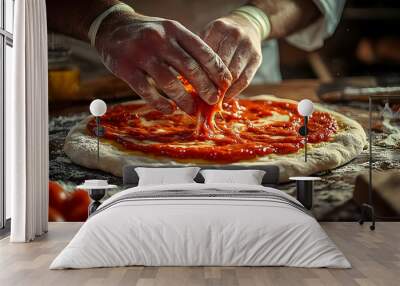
93,207
305,193
96,196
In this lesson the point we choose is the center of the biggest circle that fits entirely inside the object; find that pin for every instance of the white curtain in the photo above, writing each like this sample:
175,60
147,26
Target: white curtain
27,124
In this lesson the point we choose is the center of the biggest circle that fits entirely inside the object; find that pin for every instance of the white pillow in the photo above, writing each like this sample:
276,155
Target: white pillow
248,177
165,176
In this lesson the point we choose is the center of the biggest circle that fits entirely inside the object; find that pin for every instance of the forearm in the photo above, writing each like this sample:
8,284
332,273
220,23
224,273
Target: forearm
73,18
287,16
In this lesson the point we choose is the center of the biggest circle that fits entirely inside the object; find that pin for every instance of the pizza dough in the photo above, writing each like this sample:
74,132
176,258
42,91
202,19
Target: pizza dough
346,144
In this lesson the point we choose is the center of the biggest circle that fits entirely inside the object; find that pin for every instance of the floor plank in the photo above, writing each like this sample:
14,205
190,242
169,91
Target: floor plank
375,257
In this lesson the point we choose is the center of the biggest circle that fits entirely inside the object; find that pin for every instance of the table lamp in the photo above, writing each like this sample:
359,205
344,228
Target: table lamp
305,108
98,108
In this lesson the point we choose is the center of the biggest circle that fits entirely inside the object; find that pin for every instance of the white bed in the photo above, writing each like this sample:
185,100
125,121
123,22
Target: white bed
201,224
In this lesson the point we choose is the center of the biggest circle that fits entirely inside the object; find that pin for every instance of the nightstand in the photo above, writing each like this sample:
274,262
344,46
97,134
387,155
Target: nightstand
305,190
97,190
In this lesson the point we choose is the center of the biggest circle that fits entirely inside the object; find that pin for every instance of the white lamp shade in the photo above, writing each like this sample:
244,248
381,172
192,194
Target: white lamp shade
305,107
98,107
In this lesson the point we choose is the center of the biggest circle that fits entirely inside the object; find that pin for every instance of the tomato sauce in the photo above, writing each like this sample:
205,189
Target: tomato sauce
223,133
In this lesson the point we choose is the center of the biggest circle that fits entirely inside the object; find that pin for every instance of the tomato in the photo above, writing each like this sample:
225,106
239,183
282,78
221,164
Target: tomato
76,208
67,206
80,213
80,197
55,215
57,196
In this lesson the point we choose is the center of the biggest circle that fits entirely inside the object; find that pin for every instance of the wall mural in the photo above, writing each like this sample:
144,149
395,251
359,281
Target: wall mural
251,132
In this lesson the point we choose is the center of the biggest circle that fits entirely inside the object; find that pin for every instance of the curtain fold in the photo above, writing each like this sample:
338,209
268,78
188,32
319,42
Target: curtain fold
27,124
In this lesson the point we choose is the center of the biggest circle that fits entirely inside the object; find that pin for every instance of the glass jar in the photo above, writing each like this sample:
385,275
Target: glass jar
64,76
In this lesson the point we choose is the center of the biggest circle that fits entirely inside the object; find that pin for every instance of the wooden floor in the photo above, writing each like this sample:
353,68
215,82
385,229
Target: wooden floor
375,257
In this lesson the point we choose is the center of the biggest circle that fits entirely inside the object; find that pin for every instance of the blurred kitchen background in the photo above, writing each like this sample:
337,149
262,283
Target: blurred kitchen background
366,43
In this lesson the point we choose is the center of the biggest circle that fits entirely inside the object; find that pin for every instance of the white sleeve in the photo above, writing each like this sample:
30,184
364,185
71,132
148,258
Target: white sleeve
313,36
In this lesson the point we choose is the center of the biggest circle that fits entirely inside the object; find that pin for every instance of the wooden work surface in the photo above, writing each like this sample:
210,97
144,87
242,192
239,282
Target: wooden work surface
333,195
293,89
374,255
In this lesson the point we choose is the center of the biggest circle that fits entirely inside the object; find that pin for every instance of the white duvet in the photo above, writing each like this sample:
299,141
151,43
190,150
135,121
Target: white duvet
188,231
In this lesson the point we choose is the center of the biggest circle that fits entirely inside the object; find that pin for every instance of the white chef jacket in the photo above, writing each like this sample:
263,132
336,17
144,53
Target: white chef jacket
308,39
195,15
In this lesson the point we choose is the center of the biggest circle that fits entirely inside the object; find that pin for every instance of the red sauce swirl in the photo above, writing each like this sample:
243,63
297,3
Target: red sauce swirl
237,133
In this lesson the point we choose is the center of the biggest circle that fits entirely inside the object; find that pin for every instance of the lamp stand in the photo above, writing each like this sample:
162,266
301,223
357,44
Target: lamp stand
367,213
304,132
367,209
98,137
305,137
99,131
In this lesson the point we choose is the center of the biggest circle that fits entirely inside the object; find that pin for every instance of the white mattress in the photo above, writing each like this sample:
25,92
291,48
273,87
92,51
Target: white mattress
189,231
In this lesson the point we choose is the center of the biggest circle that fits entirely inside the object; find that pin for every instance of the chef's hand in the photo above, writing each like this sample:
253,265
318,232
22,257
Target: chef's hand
238,43
137,48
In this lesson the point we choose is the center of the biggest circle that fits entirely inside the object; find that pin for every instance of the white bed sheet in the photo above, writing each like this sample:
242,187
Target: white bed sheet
200,231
